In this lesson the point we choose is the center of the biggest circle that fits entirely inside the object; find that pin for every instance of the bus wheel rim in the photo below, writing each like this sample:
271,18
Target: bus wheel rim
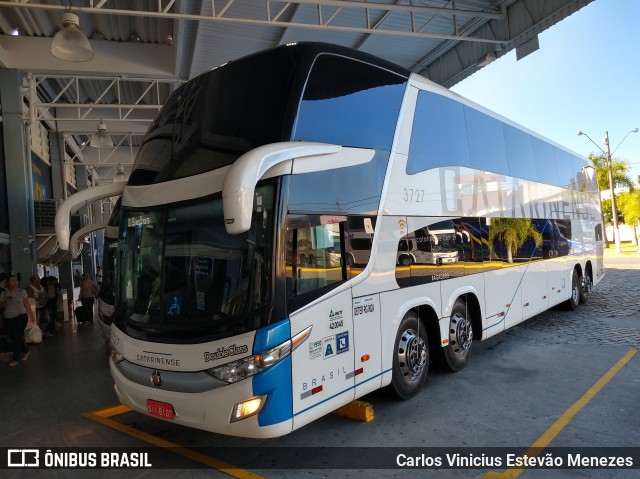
412,355
461,333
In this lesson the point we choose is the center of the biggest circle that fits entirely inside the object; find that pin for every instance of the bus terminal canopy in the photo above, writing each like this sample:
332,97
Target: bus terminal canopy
136,64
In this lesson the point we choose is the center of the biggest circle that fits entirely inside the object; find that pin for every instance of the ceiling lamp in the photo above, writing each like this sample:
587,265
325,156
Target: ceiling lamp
120,174
100,138
488,58
70,44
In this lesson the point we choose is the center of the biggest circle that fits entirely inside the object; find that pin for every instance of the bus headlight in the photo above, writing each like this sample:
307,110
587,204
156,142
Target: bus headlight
240,369
243,368
116,356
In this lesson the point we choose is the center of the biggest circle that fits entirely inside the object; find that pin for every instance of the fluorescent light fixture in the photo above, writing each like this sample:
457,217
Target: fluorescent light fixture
100,138
70,44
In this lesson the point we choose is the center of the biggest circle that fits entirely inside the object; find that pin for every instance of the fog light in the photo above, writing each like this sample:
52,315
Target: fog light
116,356
248,408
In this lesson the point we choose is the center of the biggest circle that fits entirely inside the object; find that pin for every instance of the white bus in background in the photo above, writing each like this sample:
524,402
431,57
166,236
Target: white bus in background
358,247
438,247
328,143
106,297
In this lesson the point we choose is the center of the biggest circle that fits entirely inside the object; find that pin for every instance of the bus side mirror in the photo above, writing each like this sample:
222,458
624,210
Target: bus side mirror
246,171
240,182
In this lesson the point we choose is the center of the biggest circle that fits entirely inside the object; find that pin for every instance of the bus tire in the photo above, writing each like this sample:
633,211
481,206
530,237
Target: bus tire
350,260
574,300
455,355
410,357
584,289
405,260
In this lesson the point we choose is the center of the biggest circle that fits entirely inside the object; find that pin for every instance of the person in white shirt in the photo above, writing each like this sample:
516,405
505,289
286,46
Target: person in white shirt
17,312
38,293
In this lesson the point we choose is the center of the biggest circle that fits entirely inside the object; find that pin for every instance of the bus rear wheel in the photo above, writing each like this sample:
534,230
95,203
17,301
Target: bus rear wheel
585,286
455,355
410,357
574,300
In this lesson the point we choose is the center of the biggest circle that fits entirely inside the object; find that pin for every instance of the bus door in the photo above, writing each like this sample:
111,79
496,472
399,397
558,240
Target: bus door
318,296
599,251
556,249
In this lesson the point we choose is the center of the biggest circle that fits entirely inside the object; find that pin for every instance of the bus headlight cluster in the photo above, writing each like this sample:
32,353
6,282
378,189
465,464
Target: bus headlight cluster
240,369
243,368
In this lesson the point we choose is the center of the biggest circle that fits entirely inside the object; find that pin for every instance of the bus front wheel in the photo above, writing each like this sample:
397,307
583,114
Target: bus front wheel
410,357
455,355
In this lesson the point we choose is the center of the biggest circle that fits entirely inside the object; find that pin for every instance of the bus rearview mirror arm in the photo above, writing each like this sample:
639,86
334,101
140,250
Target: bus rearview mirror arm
240,182
77,201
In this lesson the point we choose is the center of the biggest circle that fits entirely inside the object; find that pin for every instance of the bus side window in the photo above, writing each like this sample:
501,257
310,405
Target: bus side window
315,253
358,243
599,232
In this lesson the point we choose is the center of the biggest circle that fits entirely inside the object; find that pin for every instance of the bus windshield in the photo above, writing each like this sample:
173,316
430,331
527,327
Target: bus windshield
179,271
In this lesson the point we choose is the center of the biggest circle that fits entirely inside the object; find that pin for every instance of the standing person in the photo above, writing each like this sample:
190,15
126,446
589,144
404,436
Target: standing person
36,291
53,288
3,287
17,311
88,289
3,281
99,277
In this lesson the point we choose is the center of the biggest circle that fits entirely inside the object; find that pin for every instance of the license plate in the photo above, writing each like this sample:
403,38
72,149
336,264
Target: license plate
160,409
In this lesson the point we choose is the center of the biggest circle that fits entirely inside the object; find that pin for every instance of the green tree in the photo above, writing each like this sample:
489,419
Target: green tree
607,214
619,167
629,206
512,233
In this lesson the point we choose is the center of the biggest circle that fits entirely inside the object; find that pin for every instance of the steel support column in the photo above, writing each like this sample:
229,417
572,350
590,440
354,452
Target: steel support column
18,175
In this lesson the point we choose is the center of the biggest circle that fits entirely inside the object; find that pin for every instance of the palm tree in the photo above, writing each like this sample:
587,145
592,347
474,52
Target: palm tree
513,233
620,169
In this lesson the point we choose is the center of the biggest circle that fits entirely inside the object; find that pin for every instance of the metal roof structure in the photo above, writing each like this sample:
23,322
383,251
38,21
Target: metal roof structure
144,48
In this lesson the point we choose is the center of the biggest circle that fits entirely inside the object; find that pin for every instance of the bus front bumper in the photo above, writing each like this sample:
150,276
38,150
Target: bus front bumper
207,410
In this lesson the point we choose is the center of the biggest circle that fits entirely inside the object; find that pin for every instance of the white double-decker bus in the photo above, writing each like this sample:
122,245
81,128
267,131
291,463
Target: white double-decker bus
222,321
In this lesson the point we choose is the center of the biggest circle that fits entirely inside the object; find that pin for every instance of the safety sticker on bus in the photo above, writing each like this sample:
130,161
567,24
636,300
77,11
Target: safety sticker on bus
329,347
315,349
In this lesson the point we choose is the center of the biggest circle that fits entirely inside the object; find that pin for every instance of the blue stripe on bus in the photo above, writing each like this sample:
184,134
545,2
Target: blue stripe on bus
494,324
271,336
275,383
341,392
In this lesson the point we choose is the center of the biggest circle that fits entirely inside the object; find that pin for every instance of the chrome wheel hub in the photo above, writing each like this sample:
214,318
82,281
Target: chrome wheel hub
460,334
575,292
412,355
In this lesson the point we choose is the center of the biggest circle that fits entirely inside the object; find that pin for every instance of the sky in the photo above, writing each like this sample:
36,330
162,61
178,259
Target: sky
585,76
